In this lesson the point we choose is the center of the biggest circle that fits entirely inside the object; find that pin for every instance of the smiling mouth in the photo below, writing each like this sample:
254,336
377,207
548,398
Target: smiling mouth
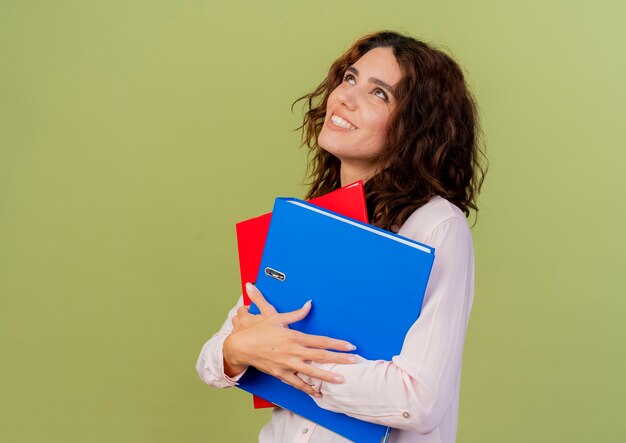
338,121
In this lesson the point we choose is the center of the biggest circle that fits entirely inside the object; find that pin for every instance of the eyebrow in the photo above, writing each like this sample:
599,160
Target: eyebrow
374,80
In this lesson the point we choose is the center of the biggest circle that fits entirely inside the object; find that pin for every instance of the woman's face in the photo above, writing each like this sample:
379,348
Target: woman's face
358,110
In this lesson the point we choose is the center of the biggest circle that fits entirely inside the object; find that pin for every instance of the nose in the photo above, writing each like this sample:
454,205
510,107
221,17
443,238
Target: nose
347,97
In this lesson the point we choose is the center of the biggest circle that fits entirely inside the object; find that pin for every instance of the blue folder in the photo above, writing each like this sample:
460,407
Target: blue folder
367,287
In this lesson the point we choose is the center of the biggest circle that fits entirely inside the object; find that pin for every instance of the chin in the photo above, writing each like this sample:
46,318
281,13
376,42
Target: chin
329,145
331,151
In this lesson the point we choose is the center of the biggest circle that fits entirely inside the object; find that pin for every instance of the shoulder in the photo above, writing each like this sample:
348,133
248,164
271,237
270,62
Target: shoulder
427,223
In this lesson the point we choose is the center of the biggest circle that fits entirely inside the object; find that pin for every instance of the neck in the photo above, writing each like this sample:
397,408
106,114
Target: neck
349,173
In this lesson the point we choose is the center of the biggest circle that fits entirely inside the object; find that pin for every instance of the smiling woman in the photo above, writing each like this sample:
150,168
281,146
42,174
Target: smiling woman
358,112
397,114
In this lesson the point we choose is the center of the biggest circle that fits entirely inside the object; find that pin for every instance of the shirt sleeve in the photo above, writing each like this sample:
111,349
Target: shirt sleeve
415,389
210,364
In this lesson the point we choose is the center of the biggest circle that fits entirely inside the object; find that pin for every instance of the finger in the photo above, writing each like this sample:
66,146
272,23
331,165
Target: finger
236,323
258,299
298,383
248,319
291,317
244,317
241,310
322,342
321,374
323,356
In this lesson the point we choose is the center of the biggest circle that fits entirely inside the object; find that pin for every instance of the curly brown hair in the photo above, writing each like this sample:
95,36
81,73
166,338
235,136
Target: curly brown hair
432,145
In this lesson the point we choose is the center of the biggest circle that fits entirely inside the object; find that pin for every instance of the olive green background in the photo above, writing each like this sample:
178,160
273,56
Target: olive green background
134,134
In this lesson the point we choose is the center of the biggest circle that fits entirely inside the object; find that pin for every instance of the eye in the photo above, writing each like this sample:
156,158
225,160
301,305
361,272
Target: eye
349,78
381,94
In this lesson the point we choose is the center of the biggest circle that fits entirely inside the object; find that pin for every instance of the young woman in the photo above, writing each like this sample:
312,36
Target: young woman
397,114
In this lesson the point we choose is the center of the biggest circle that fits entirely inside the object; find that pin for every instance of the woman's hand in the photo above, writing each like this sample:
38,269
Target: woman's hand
265,342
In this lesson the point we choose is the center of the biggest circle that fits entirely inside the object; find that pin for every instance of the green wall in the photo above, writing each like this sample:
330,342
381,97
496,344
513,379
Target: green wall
134,134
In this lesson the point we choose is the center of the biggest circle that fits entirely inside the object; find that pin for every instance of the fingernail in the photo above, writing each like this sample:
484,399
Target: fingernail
354,359
307,304
249,286
350,347
338,378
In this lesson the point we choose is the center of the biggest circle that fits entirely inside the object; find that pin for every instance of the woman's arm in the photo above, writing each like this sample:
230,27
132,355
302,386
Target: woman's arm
265,342
416,388
210,364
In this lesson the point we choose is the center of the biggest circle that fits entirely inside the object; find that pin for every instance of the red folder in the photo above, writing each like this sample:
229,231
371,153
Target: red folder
251,234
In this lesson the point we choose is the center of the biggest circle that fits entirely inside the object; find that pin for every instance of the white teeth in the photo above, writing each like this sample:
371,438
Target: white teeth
341,122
